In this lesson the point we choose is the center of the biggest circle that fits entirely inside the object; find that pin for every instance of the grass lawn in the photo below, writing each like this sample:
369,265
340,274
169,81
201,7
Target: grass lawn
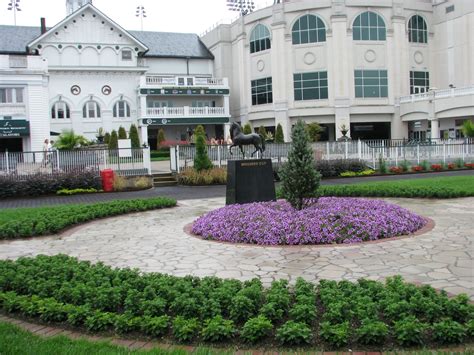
159,158
14,340
439,187
28,222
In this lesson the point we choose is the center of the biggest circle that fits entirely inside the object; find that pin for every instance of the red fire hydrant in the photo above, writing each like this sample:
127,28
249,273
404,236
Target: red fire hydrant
107,176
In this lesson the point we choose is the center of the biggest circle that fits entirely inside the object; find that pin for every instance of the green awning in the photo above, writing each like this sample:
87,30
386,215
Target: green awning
184,121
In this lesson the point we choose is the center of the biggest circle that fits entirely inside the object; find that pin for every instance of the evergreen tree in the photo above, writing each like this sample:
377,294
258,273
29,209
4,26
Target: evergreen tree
279,138
314,131
300,180
113,142
161,138
201,160
122,133
107,138
468,129
133,135
247,128
262,131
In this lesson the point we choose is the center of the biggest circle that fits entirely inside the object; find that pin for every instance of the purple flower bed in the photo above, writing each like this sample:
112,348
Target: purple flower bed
327,221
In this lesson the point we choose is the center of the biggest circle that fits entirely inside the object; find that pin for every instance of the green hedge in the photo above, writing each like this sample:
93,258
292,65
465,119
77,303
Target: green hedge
442,187
62,290
28,222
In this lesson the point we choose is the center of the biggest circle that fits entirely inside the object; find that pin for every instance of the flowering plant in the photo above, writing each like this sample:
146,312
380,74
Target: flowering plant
416,168
327,220
436,167
451,166
469,165
396,169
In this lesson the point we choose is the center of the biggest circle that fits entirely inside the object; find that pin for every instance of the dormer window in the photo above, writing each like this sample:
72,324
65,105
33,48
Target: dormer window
126,54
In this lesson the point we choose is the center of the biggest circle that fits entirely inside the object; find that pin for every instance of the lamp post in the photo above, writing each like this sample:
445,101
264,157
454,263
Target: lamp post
14,5
243,6
141,12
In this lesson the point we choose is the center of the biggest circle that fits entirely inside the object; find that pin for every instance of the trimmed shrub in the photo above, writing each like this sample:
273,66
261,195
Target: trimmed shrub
410,331
133,135
294,333
372,332
160,138
214,176
247,129
44,184
335,334
122,133
201,160
113,141
218,329
185,330
449,332
279,137
333,168
256,329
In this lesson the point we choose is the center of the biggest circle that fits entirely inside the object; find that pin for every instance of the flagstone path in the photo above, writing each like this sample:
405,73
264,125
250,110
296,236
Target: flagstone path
156,241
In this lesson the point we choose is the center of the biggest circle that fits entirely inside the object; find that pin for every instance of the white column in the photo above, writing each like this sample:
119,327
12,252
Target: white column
226,131
435,129
144,134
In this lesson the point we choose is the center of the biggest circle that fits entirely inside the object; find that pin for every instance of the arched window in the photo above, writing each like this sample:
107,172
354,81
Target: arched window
260,39
369,26
91,109
121,109
60,110
417,30
308,29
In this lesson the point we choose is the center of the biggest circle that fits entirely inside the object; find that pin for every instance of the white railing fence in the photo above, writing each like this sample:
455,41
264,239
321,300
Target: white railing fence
392,152
125,162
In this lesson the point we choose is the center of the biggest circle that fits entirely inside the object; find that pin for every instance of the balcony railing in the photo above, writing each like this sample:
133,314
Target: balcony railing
438,94
159,80
12,109
186,111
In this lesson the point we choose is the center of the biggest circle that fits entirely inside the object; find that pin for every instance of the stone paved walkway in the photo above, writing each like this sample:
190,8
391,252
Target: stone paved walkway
155,241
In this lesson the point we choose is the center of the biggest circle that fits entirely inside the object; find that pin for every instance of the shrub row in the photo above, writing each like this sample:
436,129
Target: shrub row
24,222
69,192
61,289
44,184
203,177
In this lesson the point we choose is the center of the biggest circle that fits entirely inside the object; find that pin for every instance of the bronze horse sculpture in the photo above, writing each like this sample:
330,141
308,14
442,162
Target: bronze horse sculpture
239,140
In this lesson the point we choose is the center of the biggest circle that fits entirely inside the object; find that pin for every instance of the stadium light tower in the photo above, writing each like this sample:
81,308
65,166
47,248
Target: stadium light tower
243,6
14,5
141,12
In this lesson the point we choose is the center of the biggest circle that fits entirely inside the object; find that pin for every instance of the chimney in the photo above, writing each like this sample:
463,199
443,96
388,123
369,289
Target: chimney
43,25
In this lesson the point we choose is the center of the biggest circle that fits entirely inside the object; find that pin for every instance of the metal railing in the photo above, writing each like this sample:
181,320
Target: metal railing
175,81
391,151
186,111
125,162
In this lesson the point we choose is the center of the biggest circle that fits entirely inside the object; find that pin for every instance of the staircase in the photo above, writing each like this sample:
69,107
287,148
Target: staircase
164,179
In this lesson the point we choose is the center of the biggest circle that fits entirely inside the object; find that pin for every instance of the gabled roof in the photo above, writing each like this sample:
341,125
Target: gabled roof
77,13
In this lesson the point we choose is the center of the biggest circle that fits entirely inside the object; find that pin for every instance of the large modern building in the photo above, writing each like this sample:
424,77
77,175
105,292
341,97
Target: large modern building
380,68
87,73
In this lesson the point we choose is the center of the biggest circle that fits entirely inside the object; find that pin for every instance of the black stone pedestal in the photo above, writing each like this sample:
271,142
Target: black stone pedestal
250,181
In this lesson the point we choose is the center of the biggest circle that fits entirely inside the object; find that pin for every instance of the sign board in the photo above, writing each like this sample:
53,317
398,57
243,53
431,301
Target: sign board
125,148
184,91
14,128
184,121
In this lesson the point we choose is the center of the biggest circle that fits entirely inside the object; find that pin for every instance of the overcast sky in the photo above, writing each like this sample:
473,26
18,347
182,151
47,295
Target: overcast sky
194,16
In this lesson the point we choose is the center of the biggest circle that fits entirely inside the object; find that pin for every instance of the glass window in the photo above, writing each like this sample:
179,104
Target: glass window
60,110
11,95
308,29
262,91
419,82
371,83
260,39
369,26
91,109
417,30
121,109
310,86
126,55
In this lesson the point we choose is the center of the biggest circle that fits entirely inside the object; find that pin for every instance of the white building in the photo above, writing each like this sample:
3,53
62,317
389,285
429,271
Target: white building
352,63
87,73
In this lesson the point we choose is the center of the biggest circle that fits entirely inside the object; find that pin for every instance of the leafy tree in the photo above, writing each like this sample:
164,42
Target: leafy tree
279,137
247,128
201,160
133,135
262,131
300,180
107,138
122,133
113,142
468,128
161,138
314,131
68,140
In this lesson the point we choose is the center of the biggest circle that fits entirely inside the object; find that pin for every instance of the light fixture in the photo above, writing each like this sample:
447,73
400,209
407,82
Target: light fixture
14,5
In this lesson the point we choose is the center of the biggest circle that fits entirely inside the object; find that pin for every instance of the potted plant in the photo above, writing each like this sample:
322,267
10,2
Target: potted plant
343,128
100,135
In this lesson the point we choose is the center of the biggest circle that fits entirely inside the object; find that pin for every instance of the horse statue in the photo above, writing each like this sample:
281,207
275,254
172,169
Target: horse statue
239,139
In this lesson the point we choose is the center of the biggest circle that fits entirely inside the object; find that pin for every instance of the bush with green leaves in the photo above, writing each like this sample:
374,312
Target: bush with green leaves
294,333
113,141
30,222
160,138
279,137
218,329
68,140
255,329
133,135
247,129
201,160
300,180
122,133
61,289
314,131
185,330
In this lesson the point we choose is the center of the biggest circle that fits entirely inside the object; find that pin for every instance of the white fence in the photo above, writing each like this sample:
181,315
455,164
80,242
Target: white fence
126,162
392,151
